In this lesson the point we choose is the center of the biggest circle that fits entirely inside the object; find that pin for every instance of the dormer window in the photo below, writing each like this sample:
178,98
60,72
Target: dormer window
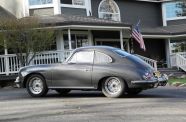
108,9
40,2
175,10
74,2
78,2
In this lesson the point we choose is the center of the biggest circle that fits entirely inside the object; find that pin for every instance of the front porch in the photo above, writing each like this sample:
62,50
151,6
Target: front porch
74,32
71,32
10,64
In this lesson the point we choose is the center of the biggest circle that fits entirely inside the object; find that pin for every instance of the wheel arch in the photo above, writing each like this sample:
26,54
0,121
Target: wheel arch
99,85
29,75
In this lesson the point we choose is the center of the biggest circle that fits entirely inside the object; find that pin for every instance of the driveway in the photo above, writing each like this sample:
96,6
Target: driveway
156,105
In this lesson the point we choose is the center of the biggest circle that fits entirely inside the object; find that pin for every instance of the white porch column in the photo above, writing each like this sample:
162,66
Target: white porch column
121,39
69,39
59,41
90,38
163,8
128,46
88,7
168,52
6,59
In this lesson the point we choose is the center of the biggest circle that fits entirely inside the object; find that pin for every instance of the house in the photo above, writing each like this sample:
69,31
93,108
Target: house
107,22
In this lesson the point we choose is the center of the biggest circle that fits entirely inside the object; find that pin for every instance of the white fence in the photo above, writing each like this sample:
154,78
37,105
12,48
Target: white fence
179,60
151,62
10,63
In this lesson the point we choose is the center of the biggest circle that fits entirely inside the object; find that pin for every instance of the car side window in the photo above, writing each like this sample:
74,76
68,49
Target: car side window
82,57
101,58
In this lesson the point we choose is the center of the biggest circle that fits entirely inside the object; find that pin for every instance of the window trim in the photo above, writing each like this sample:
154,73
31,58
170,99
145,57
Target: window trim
111,59
99,13
41,4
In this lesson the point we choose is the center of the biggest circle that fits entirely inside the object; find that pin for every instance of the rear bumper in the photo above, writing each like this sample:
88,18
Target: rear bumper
155,82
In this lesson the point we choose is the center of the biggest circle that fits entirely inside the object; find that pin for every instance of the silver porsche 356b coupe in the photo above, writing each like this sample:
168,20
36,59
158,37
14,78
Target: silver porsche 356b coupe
110,70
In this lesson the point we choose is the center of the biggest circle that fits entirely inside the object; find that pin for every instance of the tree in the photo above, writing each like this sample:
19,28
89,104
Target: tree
25,37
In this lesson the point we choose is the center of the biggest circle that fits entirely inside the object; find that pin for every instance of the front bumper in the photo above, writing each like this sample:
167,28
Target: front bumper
155,82
17,82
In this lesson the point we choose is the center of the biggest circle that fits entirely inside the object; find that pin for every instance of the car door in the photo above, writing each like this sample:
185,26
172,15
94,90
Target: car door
76,73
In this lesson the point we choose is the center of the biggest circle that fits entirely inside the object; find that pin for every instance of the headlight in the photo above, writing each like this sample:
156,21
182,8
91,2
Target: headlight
147,76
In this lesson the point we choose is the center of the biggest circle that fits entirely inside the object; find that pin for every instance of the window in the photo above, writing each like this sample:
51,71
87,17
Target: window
40,2
175,9
83,57
178,46
101,58
108,9
74,2
78,40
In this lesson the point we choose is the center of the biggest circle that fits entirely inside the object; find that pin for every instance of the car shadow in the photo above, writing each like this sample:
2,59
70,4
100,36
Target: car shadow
100,95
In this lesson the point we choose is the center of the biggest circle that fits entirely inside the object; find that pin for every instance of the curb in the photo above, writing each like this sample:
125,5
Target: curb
178,84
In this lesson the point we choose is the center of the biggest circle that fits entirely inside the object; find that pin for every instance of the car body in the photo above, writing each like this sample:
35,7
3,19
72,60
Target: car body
93,68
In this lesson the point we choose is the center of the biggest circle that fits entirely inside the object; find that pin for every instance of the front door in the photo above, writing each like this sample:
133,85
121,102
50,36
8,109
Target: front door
76,73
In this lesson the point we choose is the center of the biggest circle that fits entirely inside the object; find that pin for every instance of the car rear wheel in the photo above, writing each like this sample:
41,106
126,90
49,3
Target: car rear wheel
36,86
133,91
63,91
113,87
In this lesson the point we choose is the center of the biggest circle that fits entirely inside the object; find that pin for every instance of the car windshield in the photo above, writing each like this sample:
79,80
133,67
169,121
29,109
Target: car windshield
121,53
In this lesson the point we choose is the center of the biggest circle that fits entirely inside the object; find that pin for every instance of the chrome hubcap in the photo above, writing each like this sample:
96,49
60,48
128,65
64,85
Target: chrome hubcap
113,85
36,85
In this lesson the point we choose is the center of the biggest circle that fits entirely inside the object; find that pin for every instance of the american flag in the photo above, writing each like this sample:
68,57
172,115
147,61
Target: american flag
136,34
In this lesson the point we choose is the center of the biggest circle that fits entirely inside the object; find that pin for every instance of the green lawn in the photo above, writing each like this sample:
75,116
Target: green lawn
181,80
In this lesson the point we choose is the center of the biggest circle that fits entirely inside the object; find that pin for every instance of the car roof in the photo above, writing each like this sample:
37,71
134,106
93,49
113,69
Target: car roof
96,48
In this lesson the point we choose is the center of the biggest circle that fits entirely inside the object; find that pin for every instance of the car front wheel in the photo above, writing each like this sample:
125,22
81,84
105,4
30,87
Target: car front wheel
113,87
36,86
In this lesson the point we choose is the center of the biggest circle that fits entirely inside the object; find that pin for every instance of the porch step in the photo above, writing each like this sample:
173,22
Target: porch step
172,72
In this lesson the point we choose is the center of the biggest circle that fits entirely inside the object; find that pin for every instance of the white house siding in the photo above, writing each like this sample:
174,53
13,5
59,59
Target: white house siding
16,7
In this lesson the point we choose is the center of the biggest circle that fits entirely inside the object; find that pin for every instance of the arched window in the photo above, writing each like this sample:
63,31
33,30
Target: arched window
108,9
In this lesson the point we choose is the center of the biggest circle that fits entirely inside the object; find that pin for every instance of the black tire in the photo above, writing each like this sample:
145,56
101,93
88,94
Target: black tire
63,91
109,92
33,91
134,91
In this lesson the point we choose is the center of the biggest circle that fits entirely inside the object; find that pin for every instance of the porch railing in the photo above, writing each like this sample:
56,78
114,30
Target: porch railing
10,63
179,60
151,62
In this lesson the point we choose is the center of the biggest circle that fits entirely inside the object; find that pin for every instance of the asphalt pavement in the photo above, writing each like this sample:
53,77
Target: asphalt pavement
164,104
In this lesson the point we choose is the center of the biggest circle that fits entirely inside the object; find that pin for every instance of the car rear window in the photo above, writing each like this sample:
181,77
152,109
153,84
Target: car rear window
121,53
